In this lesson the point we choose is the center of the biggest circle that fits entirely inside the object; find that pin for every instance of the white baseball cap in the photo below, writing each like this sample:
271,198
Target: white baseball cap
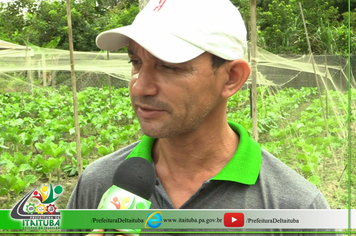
177,31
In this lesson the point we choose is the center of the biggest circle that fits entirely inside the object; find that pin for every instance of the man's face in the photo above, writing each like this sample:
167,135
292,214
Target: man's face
173,99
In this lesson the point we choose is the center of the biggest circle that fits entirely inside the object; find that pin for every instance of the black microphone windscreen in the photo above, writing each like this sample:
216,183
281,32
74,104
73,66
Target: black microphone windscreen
137,176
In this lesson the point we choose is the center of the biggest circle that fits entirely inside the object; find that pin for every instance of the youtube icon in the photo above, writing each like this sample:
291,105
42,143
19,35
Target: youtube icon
234,219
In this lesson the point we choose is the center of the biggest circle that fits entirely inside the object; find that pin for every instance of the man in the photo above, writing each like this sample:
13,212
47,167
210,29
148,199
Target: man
187,61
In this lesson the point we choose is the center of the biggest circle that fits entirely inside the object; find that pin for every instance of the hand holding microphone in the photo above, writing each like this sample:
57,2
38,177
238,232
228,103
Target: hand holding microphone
133,184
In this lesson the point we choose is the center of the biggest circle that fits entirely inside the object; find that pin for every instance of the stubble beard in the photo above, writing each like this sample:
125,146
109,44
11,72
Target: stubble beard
177,125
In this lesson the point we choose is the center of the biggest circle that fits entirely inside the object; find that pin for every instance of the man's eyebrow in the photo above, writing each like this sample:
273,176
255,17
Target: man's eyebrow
130,52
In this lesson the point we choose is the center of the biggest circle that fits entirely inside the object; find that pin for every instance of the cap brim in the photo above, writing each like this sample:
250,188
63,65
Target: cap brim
161,44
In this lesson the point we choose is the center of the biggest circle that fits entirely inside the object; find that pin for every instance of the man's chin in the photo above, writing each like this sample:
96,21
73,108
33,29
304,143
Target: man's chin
159,131
151,130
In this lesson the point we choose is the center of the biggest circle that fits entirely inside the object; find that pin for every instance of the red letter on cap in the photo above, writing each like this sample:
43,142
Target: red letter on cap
160,5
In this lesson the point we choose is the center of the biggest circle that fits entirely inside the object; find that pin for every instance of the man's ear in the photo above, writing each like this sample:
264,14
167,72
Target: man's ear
239,71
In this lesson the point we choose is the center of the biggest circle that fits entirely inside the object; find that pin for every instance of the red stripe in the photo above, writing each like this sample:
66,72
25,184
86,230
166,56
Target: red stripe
160,5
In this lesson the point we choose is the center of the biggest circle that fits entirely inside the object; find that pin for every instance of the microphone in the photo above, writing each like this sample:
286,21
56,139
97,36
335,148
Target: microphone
133,184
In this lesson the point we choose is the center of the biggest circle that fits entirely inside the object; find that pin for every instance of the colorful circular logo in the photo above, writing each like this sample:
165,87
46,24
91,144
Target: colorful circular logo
30,208
154,220
51,209
40,209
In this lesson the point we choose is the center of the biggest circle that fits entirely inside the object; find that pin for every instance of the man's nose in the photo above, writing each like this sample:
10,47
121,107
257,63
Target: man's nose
144,82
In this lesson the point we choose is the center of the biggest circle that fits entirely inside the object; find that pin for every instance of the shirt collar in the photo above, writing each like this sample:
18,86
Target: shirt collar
244,167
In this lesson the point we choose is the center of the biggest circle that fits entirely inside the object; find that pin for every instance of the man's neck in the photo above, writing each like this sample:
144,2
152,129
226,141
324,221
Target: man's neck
185,162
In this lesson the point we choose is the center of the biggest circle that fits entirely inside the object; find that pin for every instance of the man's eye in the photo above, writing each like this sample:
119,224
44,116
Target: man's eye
168,67
133,62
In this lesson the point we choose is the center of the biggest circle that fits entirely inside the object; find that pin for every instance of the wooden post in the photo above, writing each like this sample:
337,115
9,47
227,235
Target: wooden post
74,89
341,69
28,64
44,72
254,70
109,80
326,89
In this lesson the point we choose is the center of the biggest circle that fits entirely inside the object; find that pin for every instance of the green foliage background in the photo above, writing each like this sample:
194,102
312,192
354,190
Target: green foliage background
279,22
281,31
42,22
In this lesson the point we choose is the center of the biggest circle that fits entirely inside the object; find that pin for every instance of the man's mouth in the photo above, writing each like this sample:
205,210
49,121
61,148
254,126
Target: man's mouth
148,112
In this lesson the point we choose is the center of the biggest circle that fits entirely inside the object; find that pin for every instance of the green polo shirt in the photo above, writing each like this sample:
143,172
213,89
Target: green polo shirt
244,166
253,179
